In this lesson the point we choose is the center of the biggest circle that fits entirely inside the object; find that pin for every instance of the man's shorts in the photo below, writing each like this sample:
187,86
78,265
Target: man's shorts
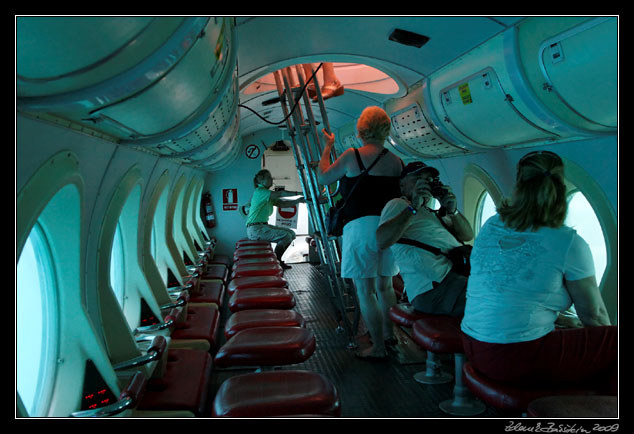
274,234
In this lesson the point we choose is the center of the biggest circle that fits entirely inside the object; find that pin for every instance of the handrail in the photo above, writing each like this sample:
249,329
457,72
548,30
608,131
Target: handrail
154,352
181,301
167,322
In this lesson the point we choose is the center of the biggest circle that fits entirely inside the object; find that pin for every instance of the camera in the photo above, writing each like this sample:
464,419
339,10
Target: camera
437,188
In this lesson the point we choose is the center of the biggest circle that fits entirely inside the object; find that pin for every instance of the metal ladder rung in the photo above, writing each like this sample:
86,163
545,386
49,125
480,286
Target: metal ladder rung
307,153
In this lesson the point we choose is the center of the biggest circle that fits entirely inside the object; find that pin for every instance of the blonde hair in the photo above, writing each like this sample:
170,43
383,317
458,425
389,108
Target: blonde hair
539,198
373,125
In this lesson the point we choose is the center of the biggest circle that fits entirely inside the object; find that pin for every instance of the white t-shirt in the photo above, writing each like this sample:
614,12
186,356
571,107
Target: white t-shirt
419,267
516,287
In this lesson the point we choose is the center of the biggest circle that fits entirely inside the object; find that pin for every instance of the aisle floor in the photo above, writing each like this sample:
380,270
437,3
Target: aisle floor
368,389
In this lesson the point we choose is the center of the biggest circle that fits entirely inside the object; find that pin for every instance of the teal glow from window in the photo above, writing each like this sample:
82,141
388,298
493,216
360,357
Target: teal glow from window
117,266
486,209
34,289
583,219
153,251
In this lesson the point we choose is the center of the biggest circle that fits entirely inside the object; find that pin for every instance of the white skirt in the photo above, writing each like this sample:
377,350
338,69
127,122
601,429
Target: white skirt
360,254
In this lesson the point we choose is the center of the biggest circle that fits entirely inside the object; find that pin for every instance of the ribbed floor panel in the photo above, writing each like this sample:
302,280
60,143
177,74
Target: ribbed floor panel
377,389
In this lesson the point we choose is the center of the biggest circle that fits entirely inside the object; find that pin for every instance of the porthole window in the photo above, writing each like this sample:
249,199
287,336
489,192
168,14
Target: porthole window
35,320
153,244
117,266
485,209
582,218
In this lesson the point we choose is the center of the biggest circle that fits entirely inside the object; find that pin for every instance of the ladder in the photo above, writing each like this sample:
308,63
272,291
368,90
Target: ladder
307,150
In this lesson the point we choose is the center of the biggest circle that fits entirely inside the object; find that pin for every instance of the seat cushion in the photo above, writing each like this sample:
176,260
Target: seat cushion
201,323
247,319
277,393
256,282
211,291
183,386
439,334
511,397
221,259
405,315
261,298
252,253
246,242
574,407
257,260
257,269
267,346
216,271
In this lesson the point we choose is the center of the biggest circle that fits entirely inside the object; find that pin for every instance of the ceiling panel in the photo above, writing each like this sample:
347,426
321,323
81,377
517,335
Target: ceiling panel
267,43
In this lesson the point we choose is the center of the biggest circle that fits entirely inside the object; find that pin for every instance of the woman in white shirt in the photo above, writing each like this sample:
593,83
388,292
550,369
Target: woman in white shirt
527,268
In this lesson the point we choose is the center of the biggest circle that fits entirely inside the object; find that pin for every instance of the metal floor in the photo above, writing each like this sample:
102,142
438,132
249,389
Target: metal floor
368,389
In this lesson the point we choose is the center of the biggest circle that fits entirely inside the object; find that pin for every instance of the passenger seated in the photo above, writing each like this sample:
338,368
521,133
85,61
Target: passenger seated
526,267
431,283
261,208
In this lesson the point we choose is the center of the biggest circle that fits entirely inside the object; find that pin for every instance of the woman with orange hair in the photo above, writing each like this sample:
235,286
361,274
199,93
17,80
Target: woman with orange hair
371,268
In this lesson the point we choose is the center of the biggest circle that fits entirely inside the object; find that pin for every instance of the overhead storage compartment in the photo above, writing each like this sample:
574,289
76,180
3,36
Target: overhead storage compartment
221,152
168,84
475,101
493,97
58,57
571,64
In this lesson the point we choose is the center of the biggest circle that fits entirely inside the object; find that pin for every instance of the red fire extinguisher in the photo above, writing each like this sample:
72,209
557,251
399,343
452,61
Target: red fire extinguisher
207,209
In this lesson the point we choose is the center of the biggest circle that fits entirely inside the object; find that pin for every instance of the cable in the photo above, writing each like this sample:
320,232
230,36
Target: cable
294,105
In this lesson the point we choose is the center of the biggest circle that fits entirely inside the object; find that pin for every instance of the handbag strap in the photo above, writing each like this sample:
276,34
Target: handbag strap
432,249
365,172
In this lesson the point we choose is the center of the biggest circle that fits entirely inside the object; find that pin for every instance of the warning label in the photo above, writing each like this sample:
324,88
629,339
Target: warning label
287,217
465,93
229,199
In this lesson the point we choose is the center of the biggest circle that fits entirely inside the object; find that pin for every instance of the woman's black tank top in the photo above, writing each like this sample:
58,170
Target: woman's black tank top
370,196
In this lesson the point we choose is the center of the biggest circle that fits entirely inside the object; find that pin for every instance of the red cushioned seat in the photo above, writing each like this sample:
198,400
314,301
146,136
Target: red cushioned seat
277,393
216,271
574,407
405,315
256,282
246,242
201,323
439,334
183,386
513,398
261,298
245,248
221,259
210,291
253,253
267,346
247,319
257,269
263,260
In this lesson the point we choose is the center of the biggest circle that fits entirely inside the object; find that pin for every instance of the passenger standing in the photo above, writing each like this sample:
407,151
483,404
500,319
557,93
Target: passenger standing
261,208
370,268
526,268
431,283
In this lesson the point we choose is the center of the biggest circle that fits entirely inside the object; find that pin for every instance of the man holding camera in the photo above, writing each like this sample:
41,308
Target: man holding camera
421,238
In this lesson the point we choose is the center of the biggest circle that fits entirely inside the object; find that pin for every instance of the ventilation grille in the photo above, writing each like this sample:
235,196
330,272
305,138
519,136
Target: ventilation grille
415,132
205,133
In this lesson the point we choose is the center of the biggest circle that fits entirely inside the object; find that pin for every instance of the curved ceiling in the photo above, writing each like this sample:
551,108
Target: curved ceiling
266,44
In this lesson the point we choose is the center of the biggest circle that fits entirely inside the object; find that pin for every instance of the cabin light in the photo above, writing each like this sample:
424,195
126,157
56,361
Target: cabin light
406,37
